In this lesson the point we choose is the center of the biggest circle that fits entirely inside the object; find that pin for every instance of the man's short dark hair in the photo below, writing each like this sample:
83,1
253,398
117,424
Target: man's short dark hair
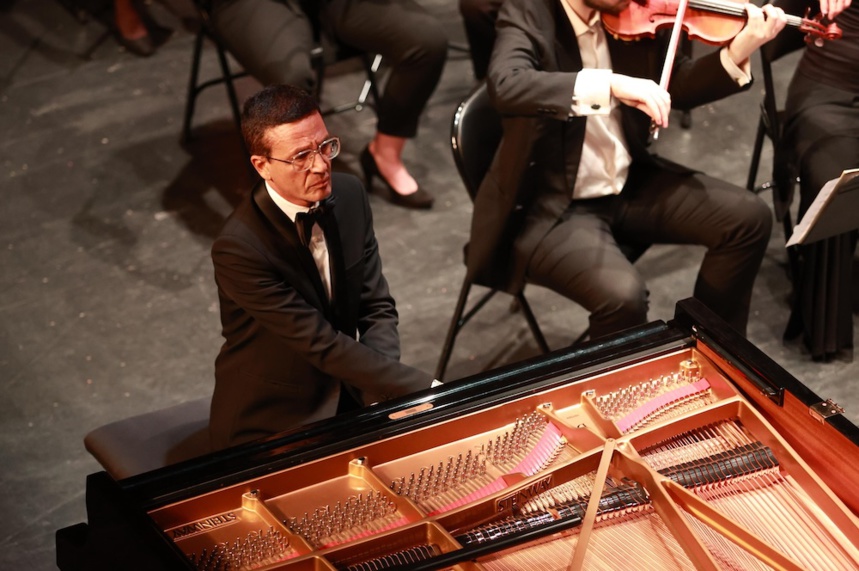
272,106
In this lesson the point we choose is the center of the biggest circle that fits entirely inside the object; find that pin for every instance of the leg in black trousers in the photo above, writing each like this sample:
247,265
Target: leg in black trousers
414,44
411,41
581,260
271,39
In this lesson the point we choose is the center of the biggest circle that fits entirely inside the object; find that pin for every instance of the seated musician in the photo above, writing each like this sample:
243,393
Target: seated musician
822,130
310,327
573,177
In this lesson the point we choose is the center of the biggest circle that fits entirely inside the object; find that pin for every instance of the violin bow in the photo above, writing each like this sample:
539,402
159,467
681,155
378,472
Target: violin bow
669,56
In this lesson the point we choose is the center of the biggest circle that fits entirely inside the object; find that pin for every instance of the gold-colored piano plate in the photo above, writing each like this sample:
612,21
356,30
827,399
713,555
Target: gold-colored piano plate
579,419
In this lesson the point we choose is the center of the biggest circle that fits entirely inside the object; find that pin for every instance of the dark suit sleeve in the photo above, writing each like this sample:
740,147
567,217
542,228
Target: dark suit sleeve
247,276
517,83
378,318
700,81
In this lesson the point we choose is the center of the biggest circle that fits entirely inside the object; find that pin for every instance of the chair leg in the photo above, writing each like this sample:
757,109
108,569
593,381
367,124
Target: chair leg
453,330
585,334
317,62
459,321
756,155
230,86
461,317
193,91
532,322
371,85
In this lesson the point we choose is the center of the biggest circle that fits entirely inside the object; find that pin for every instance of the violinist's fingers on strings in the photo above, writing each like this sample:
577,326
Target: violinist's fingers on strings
831,8
775,19
757,31
754,14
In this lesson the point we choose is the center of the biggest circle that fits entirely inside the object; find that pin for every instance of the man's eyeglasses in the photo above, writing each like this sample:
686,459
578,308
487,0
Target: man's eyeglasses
329,148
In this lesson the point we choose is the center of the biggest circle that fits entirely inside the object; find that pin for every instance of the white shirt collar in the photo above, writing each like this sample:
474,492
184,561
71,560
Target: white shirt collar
288,208
579,26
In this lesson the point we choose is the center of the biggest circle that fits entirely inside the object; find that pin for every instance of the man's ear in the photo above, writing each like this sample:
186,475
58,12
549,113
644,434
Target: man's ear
261,165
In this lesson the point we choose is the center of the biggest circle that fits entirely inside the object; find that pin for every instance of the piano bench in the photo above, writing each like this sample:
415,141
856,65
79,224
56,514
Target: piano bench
141,443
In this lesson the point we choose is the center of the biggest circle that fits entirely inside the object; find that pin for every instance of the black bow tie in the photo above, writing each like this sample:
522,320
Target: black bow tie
304,221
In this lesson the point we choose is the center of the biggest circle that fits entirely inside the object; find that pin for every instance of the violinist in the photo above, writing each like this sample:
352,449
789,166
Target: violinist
821,130
573,177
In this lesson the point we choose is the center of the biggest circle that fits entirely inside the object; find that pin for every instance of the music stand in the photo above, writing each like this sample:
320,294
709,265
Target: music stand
834,211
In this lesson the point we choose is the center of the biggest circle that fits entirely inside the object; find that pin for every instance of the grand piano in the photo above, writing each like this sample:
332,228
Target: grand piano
675,445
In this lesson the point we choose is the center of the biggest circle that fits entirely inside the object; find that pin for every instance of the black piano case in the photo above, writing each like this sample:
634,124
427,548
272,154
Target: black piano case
671,446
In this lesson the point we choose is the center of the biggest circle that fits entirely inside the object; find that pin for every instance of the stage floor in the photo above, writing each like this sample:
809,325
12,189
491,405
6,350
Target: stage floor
110,305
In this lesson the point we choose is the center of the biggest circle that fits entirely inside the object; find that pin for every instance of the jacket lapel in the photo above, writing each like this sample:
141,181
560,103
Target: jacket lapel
298,255
569,60
566,45
331,229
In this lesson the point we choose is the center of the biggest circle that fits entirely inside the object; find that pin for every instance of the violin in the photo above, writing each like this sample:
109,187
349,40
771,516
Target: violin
711,21
714,22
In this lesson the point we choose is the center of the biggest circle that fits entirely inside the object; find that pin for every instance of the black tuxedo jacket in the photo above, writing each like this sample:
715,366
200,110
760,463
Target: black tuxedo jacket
287,348
532,73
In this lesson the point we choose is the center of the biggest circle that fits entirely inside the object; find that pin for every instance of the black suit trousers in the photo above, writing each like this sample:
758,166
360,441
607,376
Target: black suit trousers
580,257
272,39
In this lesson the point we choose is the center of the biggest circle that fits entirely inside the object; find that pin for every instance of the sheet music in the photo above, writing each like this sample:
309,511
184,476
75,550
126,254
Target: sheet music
833,211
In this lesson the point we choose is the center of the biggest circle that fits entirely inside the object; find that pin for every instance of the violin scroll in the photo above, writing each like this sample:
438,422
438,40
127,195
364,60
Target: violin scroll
816,31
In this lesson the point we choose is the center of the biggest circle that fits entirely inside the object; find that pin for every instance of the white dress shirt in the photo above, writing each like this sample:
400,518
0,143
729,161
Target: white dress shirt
605,161
318,248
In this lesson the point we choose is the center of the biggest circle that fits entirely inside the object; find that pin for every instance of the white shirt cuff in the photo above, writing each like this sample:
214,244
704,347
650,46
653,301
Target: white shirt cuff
742,75
592,92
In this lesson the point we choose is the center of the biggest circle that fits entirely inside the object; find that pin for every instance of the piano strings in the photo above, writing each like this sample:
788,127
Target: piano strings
257,549
668,396
327,525
529,447
722,464
397,559
757,495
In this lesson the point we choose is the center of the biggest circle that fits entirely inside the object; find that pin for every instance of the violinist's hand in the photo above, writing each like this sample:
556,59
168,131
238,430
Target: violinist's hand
762,25
643,94
831,8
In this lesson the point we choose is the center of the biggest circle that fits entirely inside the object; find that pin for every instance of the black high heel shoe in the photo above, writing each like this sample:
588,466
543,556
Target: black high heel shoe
156,35
419,199
143,47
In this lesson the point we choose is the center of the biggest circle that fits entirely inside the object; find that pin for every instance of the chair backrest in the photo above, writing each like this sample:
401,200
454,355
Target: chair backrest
474,137
475,134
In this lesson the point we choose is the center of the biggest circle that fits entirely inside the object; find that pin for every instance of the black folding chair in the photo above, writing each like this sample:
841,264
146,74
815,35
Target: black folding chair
474,137
784,172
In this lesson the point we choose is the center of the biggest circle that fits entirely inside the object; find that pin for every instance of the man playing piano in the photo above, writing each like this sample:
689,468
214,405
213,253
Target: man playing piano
310,327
